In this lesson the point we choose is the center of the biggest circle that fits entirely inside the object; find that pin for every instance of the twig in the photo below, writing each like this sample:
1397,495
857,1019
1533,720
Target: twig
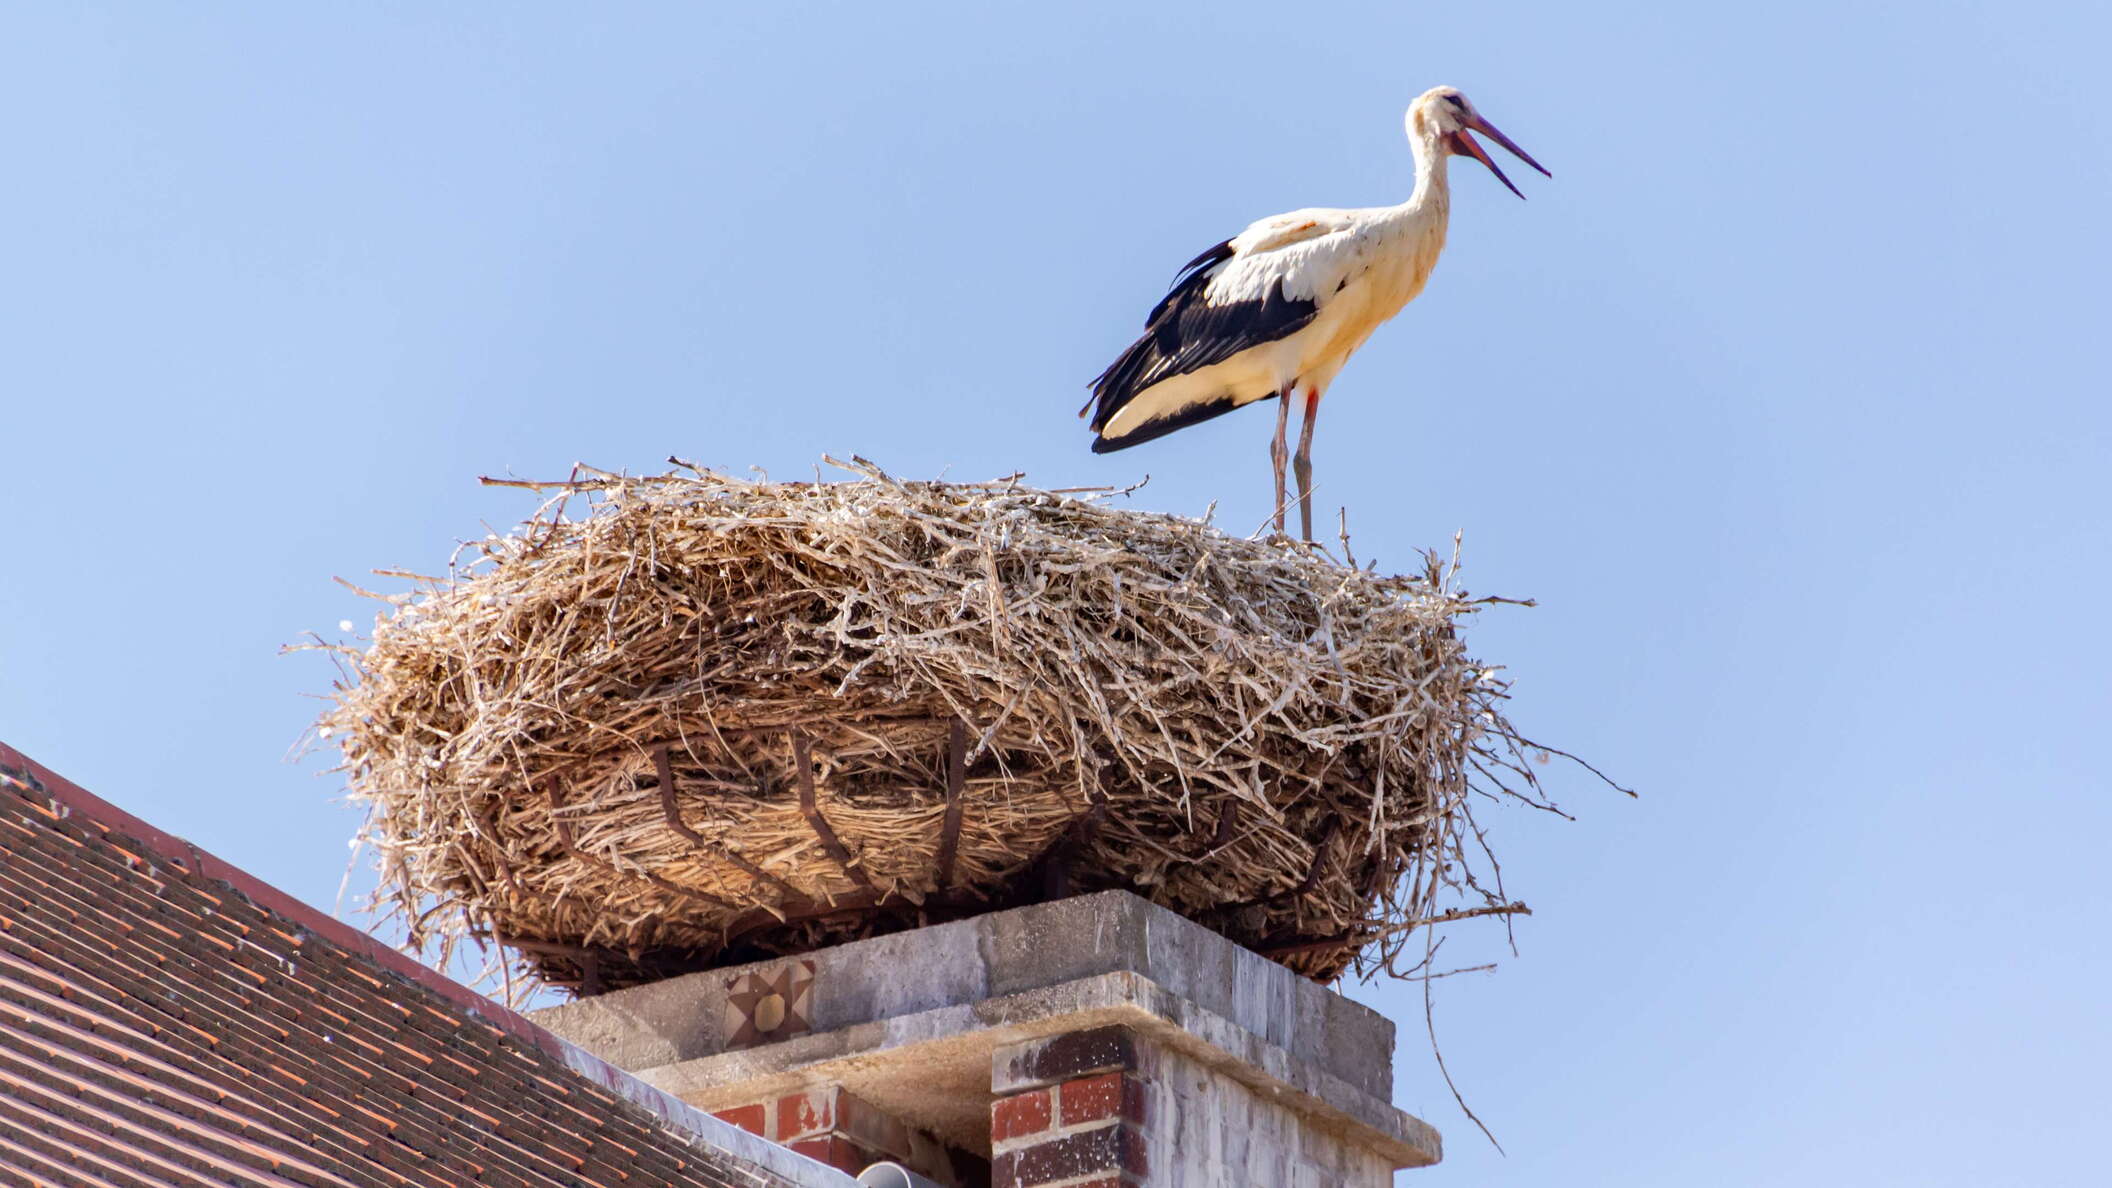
1361,937
1430,1026
1608,780
1498,909
595,484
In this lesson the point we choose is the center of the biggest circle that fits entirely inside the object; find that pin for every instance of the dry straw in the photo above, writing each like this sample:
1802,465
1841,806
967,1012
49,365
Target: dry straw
712,720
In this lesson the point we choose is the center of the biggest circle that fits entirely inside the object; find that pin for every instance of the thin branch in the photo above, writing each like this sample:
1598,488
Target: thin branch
1608,780
1430,1026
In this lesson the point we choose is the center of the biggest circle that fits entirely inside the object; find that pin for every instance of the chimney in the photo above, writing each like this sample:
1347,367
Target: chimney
1094,1041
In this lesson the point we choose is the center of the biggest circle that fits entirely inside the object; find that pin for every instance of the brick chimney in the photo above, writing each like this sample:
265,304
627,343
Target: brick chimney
1096,1041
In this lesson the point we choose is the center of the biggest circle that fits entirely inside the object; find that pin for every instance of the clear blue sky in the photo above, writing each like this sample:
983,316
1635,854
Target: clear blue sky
1786,398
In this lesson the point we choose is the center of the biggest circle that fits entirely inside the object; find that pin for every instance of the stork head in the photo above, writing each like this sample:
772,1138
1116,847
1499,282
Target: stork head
1443,115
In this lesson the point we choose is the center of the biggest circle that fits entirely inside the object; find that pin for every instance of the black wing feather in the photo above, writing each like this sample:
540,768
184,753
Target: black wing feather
1185,332
1161,426
1190,279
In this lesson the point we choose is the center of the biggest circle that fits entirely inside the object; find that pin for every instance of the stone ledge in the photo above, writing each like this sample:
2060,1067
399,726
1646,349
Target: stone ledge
992,956
909,1021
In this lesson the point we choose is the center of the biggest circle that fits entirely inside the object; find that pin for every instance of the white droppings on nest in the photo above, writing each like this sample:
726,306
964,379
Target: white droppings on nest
1242,730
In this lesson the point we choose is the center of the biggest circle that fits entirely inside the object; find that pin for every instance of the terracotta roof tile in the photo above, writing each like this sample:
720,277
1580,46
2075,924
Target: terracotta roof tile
166,1020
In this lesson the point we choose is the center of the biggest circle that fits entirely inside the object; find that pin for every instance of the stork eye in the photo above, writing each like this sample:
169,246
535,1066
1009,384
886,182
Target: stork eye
1458,101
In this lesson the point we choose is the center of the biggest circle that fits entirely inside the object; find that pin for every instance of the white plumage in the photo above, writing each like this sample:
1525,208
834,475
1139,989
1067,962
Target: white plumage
1278,309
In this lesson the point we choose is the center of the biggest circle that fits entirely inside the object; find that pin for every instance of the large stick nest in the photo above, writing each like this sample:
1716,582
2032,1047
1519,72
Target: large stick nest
712,720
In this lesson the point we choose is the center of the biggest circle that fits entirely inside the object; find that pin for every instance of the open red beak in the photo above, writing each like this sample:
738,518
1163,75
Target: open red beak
1464,142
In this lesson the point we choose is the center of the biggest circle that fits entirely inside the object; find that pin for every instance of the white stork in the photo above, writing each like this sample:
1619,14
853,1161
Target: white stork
1279,307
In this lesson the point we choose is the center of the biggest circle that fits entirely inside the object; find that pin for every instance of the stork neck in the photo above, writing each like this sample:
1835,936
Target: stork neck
1432,188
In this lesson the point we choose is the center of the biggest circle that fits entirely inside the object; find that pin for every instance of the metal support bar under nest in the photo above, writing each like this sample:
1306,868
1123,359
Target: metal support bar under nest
564,836
803,758
588,959
1220,837
490,821
1312,874
956,783
1055,864
664,770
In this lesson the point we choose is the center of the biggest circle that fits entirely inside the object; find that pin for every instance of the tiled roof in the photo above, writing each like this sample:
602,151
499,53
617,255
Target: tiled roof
166,1019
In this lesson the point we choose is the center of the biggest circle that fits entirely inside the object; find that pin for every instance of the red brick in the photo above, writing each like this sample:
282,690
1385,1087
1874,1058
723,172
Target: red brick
747,1117
1133,1098
1134,1160
1107,1149
863,1123
1092,1098
1069,1056
837,1152
802,1114
1026,1113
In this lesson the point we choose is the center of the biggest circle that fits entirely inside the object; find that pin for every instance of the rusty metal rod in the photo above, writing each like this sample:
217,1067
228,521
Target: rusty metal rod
956,783
664,769
490,820
1220,837
1312,874
564,835
803,758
